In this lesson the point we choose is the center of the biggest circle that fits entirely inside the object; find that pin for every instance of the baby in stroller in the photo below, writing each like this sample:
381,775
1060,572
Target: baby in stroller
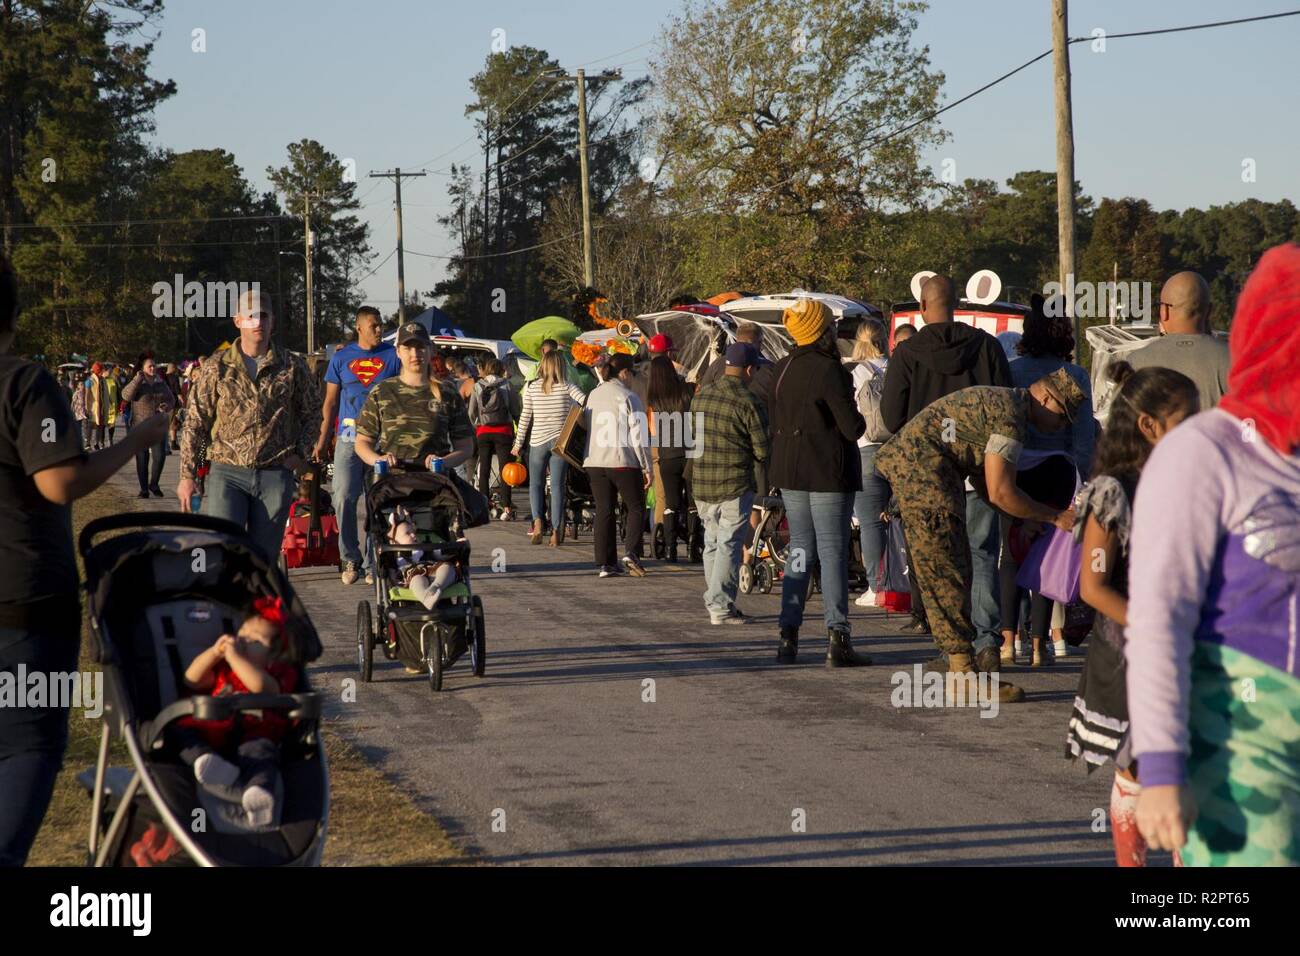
421,571
248,663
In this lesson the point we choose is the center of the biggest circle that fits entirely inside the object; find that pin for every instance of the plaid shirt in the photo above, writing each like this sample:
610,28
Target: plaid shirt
734,438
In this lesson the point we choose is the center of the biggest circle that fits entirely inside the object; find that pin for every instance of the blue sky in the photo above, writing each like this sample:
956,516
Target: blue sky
385,82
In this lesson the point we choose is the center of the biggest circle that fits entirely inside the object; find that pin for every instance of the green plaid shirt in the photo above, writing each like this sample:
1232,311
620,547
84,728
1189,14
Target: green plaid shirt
734,438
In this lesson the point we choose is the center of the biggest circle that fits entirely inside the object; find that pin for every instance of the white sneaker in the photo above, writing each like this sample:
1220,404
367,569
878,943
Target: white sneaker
866,599
1060,649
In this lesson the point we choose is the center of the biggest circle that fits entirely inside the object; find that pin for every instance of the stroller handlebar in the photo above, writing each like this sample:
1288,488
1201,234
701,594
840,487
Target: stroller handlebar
154,519
202,707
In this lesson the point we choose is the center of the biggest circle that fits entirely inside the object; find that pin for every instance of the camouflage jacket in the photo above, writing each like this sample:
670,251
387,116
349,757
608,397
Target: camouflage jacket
952,435
250,424
409,422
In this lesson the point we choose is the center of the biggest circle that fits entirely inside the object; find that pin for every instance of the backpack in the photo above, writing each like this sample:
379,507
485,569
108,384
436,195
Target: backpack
868,401
494,403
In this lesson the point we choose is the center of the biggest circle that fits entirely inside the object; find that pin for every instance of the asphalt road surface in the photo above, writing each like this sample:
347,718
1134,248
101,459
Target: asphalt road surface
615,725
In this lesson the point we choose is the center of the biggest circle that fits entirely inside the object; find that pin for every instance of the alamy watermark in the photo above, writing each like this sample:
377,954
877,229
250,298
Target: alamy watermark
921,688
179,299
1098,300
672,430
21,688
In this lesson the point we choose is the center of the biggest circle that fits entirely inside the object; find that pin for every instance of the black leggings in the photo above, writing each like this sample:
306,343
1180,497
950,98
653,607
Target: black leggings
670,475
607,486
500,445
1050,482
150,476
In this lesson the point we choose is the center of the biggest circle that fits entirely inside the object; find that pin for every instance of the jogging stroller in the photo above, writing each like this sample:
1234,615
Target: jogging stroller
160,592
769,551
440,508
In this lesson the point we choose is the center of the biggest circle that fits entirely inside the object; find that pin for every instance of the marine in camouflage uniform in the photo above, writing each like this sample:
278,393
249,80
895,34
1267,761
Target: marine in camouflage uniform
927,464
412,421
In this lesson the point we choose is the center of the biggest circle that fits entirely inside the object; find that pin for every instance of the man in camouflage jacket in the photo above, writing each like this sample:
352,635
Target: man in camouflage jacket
257,408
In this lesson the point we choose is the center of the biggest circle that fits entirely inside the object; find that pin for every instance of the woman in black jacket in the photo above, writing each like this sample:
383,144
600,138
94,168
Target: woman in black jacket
815,463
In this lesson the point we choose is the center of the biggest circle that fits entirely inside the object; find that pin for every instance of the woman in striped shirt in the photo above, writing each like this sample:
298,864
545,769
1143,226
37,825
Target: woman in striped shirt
547,400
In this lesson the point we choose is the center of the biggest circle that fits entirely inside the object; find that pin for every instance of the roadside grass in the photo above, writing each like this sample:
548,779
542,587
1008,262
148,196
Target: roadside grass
372,822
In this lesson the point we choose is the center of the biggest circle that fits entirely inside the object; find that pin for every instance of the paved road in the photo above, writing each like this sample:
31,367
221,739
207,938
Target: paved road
559,744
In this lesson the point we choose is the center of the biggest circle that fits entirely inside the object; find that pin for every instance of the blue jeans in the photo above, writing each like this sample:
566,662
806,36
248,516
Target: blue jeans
32,740
985,541
538,458
725,524
819,531
867,506
256,499
349,478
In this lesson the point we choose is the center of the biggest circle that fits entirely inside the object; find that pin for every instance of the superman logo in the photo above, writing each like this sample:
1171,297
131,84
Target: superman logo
365,369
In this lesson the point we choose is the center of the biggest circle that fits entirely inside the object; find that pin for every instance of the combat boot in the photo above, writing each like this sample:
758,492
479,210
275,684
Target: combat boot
964,664
788,649
840,652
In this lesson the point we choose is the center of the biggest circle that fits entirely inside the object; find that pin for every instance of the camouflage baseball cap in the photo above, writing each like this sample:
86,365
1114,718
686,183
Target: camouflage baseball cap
1062,387
413,332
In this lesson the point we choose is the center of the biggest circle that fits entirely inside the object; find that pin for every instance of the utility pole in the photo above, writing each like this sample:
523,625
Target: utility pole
308,242
487,182
588,261
396,175
1064,157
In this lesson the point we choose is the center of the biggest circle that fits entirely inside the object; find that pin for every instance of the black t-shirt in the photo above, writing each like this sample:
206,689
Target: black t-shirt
37,431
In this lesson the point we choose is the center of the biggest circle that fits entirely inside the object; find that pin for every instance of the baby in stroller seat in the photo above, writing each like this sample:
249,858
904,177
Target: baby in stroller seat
248,663
421,571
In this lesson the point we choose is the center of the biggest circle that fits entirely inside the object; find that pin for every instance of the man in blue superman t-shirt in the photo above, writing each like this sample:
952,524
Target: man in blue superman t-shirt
353,371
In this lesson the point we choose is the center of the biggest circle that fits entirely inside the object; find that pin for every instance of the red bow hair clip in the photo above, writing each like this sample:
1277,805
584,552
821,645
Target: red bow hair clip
272,609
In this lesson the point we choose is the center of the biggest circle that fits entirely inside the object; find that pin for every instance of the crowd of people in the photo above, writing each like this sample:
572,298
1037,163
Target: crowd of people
1184,509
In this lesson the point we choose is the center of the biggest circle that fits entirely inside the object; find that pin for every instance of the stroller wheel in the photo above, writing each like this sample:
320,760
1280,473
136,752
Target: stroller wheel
365,642
660,549
763,577
746,579
478,646
433,660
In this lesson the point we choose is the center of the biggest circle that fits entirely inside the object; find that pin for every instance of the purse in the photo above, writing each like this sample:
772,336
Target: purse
1052,567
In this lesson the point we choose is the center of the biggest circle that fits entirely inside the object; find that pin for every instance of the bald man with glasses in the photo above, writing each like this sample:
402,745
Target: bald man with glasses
1186,343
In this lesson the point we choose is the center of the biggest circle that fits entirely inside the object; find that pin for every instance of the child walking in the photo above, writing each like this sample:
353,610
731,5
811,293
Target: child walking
1148,404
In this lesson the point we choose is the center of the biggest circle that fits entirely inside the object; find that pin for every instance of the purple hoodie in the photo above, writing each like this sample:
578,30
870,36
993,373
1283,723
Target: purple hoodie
1215,558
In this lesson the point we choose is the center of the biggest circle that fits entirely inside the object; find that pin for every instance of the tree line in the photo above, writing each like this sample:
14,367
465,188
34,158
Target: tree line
773,144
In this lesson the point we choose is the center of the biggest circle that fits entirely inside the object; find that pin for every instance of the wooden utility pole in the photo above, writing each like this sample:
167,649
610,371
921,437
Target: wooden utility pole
1064,157
396,175
588,256
588,266
308,241
487,183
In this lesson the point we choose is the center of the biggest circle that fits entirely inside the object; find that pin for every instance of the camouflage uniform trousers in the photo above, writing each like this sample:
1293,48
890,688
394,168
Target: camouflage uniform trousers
934,520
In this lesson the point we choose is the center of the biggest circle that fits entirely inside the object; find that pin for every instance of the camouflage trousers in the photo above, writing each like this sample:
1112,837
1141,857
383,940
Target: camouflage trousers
941,568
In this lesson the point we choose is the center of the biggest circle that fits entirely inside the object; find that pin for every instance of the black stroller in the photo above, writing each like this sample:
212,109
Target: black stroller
160,592
440,508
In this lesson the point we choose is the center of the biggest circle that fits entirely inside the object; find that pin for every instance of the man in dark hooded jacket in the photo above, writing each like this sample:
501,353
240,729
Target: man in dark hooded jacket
941,358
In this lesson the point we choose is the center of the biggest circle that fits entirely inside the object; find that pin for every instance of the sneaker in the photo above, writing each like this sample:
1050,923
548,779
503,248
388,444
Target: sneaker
350,572
1060,649
632,566
370,578
866,599
143,494
611,571
155,491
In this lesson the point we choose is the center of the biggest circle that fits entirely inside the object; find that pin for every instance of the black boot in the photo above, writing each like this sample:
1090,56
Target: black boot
788,649
840,653
670,537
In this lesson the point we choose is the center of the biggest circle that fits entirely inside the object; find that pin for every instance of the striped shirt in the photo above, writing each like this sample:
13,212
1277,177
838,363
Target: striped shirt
546,413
